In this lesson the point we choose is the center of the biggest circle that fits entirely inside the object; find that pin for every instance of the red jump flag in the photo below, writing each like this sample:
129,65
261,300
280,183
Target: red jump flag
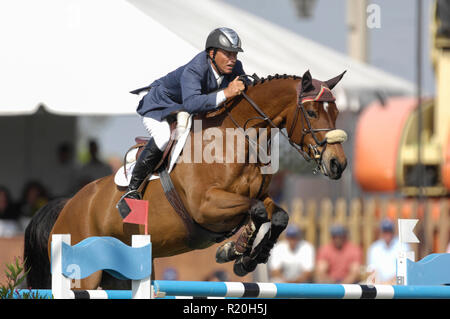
138,212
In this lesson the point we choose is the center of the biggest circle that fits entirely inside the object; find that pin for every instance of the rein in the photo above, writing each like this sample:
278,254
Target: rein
317,155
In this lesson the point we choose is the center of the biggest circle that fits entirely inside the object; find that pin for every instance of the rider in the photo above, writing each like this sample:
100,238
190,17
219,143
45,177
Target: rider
202,85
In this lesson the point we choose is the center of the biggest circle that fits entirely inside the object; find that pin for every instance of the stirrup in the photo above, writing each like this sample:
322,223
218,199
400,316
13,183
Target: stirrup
122,205
135,194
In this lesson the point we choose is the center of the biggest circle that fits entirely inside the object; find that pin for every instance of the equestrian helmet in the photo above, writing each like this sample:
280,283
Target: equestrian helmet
224,38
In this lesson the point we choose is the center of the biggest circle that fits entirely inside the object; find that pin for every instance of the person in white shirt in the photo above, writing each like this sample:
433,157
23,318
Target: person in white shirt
292,259
382,255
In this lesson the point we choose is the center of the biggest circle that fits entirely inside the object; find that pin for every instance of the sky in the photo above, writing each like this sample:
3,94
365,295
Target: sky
392,48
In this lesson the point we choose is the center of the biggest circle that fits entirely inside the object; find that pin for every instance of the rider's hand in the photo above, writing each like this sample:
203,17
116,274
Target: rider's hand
236,87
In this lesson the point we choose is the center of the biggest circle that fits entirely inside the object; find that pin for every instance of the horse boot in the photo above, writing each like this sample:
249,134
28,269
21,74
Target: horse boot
145,164
260,254
232,250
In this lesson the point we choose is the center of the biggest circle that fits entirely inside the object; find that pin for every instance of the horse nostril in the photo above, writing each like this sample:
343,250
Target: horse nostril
335,166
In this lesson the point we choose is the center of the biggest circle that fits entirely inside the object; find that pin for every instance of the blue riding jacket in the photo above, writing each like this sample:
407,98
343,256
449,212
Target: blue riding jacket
191,88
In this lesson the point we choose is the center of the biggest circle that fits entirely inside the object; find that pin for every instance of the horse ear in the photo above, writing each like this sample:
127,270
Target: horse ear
331,83
307,82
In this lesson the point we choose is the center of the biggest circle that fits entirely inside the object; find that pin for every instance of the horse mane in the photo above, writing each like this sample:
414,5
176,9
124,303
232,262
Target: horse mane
258,80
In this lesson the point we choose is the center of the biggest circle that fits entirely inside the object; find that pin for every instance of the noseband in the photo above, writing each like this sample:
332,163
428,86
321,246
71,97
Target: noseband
317,154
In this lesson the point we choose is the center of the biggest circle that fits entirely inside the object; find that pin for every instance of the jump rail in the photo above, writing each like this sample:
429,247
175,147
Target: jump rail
198,289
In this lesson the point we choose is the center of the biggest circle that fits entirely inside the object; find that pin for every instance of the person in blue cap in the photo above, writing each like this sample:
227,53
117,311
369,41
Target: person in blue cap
382,255
292,259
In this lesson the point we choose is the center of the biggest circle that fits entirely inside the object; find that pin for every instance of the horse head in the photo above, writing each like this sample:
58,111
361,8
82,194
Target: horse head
311,125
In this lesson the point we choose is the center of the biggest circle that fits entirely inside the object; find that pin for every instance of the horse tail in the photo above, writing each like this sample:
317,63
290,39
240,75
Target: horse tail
36,244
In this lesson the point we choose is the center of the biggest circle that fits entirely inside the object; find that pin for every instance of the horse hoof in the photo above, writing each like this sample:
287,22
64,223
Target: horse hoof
239,269
244,265
226,253
264,253
258,213
262,258
250,264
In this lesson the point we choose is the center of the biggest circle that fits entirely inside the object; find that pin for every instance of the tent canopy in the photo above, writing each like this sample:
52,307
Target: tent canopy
83,57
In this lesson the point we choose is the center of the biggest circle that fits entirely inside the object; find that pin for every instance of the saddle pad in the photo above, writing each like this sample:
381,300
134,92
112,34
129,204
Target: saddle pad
123,180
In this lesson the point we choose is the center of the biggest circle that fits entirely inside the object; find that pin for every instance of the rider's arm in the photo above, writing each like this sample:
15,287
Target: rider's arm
238,70
194,101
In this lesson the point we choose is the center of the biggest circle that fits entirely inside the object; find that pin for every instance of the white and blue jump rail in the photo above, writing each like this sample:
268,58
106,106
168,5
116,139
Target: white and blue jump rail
219,290
427,278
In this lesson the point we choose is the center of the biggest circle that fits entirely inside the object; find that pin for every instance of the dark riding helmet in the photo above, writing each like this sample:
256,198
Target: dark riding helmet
224,38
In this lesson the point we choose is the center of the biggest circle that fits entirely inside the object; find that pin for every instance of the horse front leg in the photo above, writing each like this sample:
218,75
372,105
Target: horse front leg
242,246
260,254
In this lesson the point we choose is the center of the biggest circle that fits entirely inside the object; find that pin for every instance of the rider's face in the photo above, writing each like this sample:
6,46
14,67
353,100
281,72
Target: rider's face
225,60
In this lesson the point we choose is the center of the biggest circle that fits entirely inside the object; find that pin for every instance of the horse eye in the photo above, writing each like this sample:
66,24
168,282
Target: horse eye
325,106
311,113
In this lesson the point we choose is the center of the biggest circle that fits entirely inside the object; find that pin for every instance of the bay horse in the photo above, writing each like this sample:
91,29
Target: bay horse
221,197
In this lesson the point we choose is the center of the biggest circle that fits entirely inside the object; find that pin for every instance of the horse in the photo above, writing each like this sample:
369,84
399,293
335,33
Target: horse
221,197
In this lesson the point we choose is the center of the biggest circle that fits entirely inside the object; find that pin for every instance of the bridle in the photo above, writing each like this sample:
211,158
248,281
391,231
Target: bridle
307,129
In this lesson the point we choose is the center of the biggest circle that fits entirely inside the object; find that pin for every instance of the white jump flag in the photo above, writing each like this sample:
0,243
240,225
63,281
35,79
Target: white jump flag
405,231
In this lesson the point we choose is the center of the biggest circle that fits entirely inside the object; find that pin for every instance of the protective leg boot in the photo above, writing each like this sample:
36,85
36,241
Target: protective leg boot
145,164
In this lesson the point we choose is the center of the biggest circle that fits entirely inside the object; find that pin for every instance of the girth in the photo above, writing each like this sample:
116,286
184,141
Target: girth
198,236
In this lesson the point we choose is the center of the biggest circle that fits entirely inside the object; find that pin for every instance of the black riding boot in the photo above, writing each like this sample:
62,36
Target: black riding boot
145,164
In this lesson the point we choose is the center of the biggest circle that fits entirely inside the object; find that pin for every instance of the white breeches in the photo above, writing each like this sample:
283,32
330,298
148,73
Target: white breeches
160,131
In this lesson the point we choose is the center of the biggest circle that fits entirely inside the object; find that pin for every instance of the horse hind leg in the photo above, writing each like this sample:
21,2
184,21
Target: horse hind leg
242,246
260,254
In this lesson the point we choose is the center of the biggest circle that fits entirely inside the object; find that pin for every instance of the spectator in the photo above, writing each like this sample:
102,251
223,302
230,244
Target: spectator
63,176
8,210
292,259
34,196
218,275
9,225
339,262
382,255
95,168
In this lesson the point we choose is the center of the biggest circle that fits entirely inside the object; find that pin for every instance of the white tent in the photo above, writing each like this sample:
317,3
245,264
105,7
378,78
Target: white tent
74,57
81,56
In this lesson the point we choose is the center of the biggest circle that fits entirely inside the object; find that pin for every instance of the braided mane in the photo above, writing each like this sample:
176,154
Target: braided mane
256,81
272,77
